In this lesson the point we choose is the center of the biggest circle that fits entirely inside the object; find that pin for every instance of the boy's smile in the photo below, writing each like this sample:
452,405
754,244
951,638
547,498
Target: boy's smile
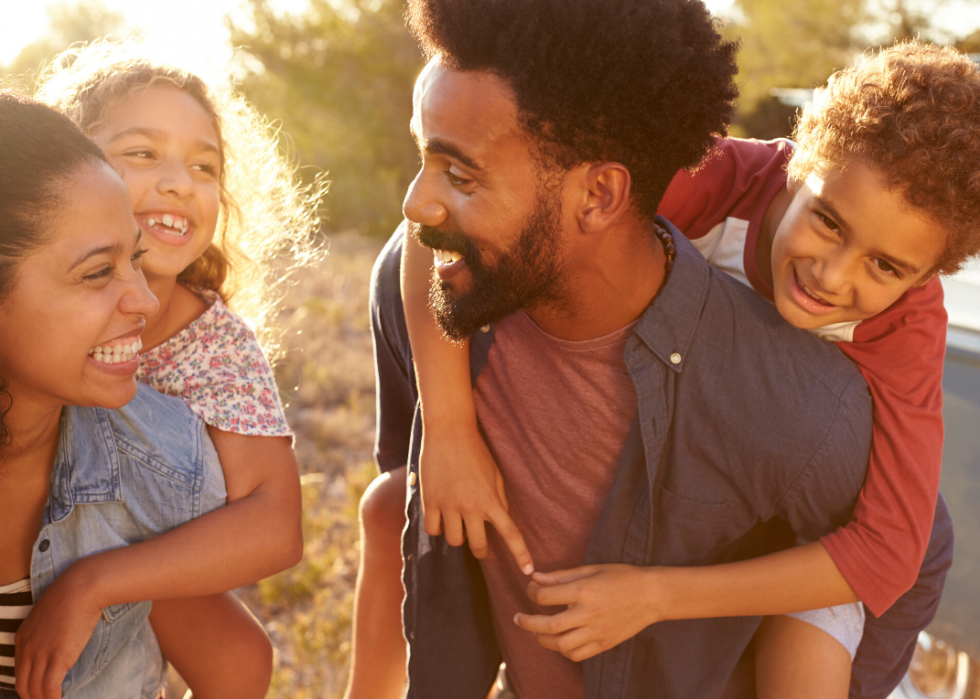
848,247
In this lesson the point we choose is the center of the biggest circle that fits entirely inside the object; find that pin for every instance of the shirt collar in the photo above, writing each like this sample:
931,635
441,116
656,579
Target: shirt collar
86,468
669,322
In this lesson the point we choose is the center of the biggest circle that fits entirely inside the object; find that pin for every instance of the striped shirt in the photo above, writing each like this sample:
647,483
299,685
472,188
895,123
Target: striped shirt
16,602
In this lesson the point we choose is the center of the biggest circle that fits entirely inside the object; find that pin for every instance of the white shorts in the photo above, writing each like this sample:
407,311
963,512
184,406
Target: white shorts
845,623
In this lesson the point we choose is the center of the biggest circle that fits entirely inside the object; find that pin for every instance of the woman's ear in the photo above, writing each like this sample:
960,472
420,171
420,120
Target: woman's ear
605,196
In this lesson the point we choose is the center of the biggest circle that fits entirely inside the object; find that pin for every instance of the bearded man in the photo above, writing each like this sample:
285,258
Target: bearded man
631,394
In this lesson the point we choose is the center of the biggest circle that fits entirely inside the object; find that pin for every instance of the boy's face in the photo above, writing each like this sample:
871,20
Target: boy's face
848,247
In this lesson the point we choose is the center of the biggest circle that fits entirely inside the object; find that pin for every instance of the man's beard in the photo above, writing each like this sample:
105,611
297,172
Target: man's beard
529,275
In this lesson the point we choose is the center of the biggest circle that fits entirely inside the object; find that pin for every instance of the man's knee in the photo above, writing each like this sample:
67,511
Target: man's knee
382,508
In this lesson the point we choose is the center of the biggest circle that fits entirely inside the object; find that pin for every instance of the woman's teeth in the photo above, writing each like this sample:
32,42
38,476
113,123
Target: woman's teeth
177,224
445,257
117,354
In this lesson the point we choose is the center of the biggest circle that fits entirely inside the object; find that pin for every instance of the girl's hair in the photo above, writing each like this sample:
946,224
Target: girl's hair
911,112
40,151
268,220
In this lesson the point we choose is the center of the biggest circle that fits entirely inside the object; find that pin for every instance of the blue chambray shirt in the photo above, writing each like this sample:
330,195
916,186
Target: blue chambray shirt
749,433
120,477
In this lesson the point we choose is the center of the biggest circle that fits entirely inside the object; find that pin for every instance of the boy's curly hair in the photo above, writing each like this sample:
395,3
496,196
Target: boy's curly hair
911,112
642,82
267,221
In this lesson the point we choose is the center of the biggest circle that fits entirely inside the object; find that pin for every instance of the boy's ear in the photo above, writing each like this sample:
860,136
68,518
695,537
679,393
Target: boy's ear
605,195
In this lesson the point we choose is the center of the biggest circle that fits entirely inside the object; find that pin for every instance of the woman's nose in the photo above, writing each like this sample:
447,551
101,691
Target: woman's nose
138,298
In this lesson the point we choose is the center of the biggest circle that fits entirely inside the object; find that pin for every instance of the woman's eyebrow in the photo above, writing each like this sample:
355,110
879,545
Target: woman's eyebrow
110,249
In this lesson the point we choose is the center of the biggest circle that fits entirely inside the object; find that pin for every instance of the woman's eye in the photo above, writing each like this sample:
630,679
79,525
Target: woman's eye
142,154
137,257
101,274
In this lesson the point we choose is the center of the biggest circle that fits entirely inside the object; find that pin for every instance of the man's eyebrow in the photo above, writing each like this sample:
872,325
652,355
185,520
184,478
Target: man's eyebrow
156,135
904,265
439,147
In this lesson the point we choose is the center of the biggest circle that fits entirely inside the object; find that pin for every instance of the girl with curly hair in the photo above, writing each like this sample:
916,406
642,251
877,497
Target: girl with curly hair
224,220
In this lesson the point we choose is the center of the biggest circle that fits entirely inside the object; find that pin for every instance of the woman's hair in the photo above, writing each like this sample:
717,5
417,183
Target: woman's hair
40,151
911,112
268,220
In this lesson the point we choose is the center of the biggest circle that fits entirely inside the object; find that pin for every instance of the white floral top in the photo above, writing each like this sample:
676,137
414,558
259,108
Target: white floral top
216,366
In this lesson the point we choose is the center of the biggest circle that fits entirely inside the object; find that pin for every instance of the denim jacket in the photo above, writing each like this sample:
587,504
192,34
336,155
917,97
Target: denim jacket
120,477
748,434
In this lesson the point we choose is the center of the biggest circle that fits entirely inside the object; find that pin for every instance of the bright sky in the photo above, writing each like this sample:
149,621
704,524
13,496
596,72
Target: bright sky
196,25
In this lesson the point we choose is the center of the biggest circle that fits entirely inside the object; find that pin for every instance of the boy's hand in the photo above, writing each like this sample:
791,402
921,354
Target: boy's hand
52,637
461,489
607,604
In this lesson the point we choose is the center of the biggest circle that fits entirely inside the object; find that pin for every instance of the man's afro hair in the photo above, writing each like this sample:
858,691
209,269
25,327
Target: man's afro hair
647,83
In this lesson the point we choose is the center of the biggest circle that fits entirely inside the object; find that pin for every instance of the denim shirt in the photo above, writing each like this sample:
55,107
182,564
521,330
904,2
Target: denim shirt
120,477
749,434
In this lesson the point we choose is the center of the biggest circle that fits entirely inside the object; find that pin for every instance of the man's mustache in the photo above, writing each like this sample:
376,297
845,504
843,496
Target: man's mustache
439,239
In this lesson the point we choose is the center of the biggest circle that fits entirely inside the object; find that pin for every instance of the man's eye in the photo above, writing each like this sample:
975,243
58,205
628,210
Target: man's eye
455,179
101,274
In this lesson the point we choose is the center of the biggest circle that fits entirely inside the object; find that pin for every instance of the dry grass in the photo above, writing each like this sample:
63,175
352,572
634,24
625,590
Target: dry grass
326,377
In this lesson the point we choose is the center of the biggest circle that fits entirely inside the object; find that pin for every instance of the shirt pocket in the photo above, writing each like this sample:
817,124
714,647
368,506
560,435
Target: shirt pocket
688,532
119,623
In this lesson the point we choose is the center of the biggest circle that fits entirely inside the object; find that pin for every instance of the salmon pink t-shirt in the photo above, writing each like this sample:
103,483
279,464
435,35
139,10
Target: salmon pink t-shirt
557,449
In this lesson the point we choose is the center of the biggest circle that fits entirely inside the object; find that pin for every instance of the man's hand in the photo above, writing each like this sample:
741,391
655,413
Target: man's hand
52,637
607,604
462,488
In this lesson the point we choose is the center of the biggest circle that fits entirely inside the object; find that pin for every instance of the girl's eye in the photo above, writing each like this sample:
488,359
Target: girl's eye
101,274
206,167
142,154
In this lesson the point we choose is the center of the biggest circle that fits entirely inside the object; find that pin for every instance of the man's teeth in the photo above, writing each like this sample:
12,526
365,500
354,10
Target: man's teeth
178,223
117,354
446,256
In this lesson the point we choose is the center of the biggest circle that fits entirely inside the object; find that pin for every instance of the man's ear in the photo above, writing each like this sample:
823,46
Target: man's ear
605,196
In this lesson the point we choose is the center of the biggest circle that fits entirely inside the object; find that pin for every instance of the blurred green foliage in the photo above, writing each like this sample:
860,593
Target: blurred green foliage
68,23
339,76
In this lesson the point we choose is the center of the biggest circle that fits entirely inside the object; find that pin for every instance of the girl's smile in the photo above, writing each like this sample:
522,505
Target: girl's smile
167,149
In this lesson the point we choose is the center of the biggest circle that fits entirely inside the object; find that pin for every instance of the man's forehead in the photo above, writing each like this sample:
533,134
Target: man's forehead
476,106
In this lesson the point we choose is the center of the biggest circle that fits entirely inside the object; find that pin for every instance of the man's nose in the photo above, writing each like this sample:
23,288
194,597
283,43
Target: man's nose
421,204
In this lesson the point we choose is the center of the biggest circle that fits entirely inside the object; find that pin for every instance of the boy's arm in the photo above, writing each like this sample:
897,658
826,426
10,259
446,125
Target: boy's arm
608,604
257,534
461,485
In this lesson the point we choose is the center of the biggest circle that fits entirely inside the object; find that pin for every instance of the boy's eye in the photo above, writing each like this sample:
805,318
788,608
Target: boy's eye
829,222
884,266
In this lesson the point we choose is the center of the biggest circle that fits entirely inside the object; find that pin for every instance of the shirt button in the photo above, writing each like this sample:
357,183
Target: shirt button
412,478
675,358
45,545
485,329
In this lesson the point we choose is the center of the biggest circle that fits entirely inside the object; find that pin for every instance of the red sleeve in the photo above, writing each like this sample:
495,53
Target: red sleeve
900,353
739,179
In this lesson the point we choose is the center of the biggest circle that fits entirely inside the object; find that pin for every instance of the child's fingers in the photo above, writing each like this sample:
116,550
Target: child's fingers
476,535
452,523
512,536
431,520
